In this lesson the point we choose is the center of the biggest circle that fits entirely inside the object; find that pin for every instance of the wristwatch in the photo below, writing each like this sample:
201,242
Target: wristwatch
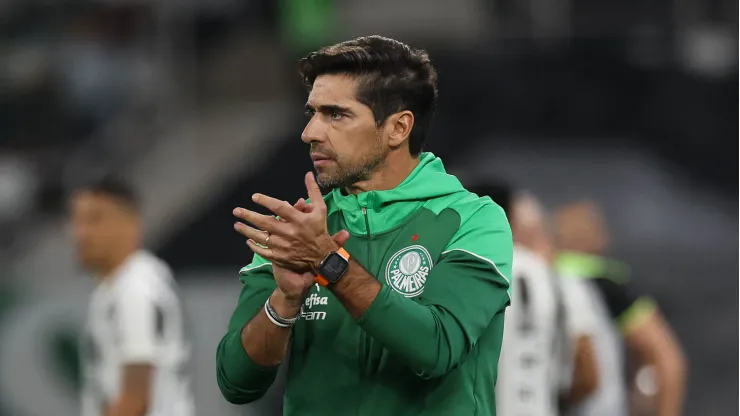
333,267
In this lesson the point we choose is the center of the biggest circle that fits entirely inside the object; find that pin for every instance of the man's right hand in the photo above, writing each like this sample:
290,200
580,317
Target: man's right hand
293,287
264,342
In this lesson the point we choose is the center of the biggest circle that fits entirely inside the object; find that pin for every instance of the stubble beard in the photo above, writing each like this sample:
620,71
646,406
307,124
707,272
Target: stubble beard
343,176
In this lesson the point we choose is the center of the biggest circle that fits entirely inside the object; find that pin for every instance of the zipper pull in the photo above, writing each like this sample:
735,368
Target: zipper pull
364,211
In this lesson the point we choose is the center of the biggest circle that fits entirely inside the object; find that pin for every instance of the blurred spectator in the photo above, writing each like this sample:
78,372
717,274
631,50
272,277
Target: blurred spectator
18,183
101,65
307,25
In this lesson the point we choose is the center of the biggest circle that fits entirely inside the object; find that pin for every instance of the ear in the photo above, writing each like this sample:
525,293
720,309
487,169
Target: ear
400,125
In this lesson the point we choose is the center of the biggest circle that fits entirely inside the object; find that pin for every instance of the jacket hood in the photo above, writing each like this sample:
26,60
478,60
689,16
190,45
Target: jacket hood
384,210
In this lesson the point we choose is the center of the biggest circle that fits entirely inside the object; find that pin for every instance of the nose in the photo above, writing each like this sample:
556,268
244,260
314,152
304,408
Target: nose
314,131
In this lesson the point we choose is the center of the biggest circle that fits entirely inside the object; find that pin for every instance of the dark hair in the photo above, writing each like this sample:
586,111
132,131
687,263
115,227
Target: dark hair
115,187
500,193
392,77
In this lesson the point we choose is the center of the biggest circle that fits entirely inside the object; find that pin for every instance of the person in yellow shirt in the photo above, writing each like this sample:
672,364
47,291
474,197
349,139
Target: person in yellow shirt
630,318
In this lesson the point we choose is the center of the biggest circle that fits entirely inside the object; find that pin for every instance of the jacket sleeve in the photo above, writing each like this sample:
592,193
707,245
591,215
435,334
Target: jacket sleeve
240,379
467,287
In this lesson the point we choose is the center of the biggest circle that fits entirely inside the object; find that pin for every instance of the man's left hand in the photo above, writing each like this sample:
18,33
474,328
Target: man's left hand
298,241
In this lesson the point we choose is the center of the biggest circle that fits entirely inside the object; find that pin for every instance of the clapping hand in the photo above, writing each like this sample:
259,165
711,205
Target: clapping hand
296,243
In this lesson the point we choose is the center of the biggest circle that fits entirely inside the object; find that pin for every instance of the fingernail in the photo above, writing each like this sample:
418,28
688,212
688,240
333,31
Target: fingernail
236,225
255,197
237,211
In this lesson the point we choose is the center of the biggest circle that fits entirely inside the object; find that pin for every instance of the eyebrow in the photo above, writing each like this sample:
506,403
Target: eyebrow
329,108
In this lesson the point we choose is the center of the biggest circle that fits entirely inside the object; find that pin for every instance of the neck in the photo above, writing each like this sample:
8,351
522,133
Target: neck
588,250
389,174
106,269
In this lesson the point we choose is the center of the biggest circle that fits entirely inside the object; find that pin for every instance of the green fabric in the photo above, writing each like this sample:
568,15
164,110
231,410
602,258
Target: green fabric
307,24
428,185
66,358
643,308
429,344
588,266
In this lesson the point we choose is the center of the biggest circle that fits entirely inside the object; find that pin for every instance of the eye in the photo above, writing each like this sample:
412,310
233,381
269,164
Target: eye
336,116
310,113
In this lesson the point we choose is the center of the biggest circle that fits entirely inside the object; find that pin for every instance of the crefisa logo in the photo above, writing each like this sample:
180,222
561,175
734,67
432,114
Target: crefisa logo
311,301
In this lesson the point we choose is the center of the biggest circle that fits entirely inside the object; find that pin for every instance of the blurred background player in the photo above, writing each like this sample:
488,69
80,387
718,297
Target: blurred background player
624,318
577,371
547,353
134,351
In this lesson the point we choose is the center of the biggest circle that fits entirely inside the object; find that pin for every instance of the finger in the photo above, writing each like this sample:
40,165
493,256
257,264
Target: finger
264,222
341,237
279,207
303,206
264,252
314,192
251,232
300,205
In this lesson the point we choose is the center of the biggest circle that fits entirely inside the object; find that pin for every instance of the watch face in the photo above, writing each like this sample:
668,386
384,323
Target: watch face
333,267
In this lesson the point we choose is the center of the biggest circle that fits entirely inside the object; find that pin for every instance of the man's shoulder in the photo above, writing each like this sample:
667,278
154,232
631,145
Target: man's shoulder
145,272
526,259
483,228
476,211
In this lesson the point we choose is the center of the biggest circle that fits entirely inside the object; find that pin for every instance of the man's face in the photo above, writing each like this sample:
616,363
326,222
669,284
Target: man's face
100,225
581,227
347,146
528,226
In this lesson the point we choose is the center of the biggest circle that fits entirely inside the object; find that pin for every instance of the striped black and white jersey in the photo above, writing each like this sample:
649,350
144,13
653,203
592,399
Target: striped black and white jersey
610,397
535,341
612,304
135,317
579,322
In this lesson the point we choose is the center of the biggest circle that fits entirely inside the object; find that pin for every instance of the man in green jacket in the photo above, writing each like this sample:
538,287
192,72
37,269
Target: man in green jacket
399,313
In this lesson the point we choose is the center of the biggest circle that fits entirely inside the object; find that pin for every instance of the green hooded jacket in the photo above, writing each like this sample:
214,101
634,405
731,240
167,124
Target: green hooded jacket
429,344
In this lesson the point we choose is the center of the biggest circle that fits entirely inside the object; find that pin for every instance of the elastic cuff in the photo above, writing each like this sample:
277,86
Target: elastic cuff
235,357
636,314
375,312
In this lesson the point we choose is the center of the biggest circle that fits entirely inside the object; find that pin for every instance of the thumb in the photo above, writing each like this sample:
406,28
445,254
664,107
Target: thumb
341,237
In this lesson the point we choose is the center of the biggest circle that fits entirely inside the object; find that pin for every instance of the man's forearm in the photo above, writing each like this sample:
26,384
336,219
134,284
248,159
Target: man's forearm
656,345
136,391
586,371
431,349
126,407
356,290
247,357
671,374
266,343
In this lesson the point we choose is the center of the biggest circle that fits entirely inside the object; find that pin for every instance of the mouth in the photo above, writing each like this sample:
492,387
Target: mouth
319,159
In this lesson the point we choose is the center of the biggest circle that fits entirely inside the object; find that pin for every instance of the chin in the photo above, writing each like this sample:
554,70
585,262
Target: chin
86,262
326,180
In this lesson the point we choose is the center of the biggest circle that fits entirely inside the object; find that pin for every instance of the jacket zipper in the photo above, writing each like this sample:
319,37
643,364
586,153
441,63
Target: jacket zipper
362,333
367,227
